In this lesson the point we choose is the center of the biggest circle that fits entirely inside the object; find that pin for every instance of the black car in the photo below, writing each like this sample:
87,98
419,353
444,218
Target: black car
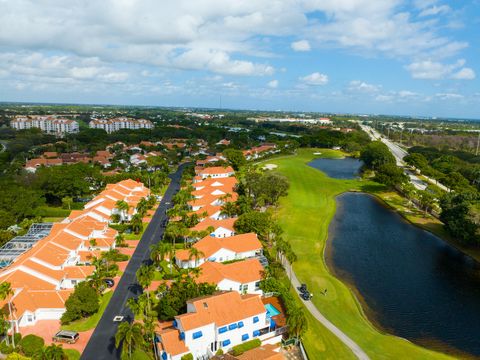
109,282
302,288
306,295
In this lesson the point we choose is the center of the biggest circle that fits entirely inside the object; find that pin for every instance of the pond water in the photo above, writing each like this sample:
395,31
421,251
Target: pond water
347,168
412,283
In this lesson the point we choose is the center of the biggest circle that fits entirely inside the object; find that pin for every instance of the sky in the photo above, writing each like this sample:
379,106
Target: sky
402,57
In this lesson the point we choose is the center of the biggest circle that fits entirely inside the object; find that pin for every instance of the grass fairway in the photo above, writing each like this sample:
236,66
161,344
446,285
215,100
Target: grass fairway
305,215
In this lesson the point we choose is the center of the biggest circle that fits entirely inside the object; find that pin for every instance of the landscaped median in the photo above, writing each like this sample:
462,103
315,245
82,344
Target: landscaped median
304,216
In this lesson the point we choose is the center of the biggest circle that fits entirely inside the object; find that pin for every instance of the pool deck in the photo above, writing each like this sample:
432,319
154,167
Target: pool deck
279,319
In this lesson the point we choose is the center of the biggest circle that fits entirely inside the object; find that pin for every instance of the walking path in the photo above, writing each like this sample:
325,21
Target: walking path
359,353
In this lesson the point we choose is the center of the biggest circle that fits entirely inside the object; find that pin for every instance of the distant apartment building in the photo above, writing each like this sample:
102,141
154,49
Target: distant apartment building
112,125
48,124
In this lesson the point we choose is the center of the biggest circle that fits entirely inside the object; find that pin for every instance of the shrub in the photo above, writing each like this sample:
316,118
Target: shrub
30,344
240,349
16,356
83,302
187,357
17,337
47,211
219,352
5,349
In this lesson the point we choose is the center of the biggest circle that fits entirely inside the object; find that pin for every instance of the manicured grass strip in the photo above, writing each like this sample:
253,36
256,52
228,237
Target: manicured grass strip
92,321
72,354
304,216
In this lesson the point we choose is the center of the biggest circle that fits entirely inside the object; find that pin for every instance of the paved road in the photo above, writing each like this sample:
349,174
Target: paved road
102,343
357,350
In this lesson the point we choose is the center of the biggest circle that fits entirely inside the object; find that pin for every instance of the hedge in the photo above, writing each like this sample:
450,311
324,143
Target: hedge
187,357
47,211
30,344
249,345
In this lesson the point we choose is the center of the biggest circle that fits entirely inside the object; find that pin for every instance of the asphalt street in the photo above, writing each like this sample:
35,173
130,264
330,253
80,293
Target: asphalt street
102,343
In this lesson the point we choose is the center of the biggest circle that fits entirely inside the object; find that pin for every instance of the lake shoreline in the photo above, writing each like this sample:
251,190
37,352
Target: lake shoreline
347,278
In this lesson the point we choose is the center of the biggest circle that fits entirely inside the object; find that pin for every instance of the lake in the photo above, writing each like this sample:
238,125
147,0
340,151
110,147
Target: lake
347,168
411,283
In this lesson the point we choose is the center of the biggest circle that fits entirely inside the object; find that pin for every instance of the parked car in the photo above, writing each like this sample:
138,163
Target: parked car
65,336
109,282
306,295
302,288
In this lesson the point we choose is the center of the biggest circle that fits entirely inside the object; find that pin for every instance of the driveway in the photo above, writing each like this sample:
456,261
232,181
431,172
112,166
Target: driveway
102,343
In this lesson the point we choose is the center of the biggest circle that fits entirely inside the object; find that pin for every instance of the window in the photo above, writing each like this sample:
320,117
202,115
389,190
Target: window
74,282
255,319
256,333
240,324
245,337
182,335
232,326
257,285
245,288
222,330
226,342
197,335
175,324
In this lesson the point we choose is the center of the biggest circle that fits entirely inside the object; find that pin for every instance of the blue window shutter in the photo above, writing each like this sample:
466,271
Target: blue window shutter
164,356
182,335
245,337
197,335
175,324
255,319
240,324
232,326
226,342
222,330
256,333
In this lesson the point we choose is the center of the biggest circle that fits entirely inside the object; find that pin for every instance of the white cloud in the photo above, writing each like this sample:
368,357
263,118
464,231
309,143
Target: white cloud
432,70
302,45
273,84
449,96
464,74
362,87
314,79
435,10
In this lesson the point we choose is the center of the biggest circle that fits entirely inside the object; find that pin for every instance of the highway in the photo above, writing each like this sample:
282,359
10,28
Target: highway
102,343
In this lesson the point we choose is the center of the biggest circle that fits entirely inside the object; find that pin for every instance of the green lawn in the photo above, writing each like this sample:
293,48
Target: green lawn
133,236
92,321
72,354
304,216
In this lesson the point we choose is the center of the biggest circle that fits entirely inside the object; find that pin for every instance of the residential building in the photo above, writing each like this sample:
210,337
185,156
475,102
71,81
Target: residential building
48,124
214,172
215,249
241,276
220,228
112,125
214,322
44,276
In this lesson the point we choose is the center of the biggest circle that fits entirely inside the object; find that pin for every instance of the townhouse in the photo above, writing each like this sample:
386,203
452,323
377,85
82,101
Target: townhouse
219,321
218,228
213,172
241,276
259,151
216,249
44,276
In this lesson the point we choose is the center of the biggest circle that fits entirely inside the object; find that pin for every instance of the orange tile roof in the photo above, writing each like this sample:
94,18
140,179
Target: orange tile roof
78,272
222,309
264,352
52,254
245,271
19,279
171,342
230,181
215,170
205,224
209,245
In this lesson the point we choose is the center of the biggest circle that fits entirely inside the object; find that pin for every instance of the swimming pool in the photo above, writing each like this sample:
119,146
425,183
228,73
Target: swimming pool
271,310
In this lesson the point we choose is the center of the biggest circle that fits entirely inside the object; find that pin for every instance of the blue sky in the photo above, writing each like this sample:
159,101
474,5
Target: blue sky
406,57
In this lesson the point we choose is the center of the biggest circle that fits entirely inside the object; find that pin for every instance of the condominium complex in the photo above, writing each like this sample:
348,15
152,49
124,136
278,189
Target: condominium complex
112,125
48,124
44,276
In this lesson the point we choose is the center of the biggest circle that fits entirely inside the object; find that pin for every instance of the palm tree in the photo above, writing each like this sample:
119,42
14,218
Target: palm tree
136,223
122,207
229,209
120,241
130,335
291,257
6,292
159,251
142,207
145,275
194,253
297,321
134,305
54,352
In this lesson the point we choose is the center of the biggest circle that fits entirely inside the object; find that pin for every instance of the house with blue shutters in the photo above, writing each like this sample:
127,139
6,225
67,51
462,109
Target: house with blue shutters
219,321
